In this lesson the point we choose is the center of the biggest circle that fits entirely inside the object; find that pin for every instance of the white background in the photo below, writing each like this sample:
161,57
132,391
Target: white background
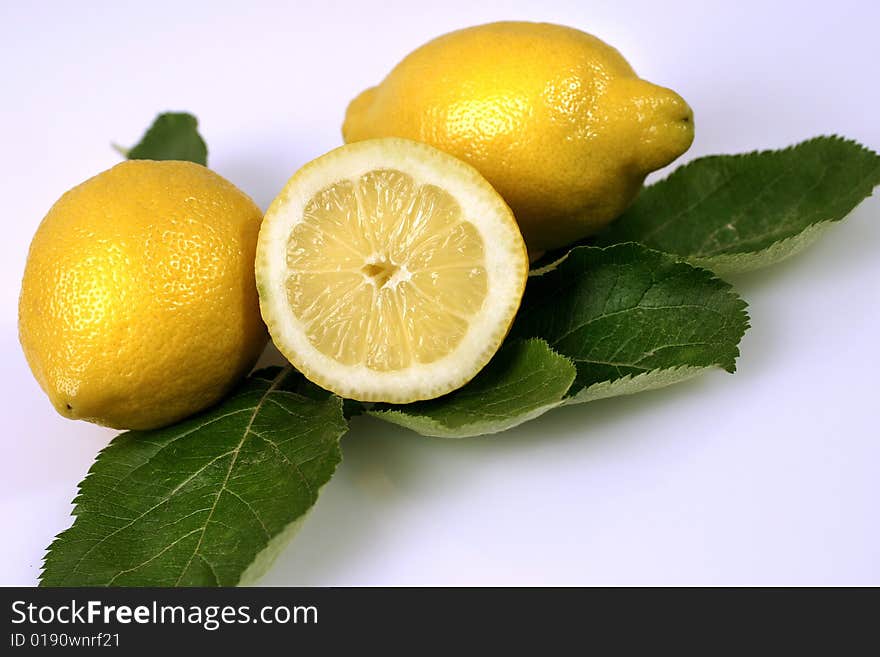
769,476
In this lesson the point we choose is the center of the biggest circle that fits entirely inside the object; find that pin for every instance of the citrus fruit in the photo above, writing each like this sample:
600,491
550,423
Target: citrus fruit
389,271
555,119
138,305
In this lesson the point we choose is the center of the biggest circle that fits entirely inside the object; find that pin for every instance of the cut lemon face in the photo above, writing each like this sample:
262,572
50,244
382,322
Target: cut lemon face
389,271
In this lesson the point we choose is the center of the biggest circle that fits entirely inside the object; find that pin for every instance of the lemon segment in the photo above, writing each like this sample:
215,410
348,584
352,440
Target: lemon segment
389,271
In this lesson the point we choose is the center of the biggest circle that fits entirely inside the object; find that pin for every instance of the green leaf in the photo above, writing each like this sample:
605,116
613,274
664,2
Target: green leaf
209,501
733,213
632,319
173,136
524,380
628,317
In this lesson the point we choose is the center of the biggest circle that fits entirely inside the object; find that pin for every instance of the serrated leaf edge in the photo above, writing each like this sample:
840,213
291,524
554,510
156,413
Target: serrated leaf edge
438,430
726,264
609,388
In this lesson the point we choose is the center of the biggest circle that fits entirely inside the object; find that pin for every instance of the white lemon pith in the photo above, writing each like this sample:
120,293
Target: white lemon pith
389,271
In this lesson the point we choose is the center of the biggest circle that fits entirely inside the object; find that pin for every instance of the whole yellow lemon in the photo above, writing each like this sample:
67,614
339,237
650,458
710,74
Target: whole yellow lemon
138,305
554,118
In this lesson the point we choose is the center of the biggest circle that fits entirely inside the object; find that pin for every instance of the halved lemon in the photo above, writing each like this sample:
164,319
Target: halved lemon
389,271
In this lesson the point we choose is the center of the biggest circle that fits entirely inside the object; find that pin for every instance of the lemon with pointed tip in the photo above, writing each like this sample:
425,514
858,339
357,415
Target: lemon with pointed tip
138,305
389,271
554,118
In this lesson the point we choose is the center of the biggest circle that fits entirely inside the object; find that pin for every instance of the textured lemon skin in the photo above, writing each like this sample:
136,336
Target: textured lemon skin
138,304
554,118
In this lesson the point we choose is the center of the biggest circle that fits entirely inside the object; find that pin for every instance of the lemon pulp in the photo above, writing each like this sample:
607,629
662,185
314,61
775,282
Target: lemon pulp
389,261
